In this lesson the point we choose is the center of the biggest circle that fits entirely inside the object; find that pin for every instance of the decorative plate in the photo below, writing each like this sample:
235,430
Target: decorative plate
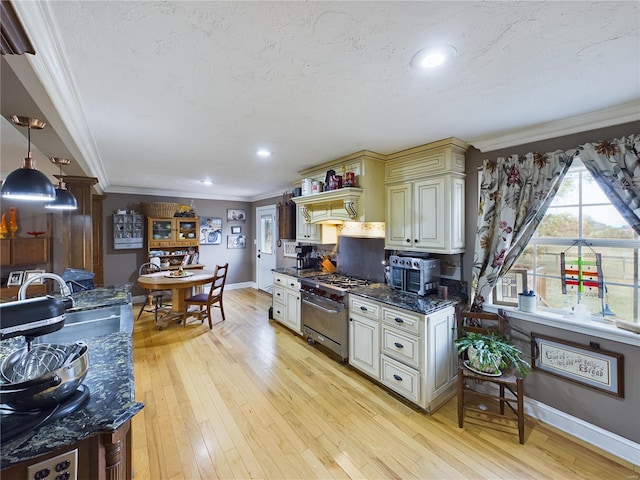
466,364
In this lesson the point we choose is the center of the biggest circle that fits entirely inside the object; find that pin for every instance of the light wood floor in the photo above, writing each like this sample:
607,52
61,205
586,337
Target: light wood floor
249,399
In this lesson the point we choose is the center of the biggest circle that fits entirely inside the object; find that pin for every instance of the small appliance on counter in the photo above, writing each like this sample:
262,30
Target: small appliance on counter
43,382
304,257
414,275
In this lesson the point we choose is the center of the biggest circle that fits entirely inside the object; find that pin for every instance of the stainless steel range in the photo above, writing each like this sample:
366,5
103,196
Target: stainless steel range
325,316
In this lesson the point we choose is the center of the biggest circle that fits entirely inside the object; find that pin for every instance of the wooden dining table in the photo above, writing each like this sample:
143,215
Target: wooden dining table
178,286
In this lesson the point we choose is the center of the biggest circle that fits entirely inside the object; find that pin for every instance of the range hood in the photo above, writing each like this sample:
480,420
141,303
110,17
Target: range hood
334,206
362,203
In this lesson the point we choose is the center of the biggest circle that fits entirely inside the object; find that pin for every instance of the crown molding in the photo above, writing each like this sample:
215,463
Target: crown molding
616,115
50,67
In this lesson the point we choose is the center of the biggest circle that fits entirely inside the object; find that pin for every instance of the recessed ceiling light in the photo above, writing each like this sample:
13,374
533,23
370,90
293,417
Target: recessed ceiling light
207,181
264,153
431,57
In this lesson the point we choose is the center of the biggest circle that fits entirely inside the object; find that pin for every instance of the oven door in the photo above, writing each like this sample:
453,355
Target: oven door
326,322
413,281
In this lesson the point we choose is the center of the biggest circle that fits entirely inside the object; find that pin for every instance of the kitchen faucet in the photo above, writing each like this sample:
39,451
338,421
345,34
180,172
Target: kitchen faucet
65,291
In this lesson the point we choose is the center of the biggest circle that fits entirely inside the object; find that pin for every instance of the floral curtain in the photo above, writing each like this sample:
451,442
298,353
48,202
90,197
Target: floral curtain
615,165
515,193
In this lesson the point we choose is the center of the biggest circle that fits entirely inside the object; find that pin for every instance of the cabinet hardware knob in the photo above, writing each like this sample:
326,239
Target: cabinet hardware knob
408,240
364,309
398,345
416,240
397,377
399,320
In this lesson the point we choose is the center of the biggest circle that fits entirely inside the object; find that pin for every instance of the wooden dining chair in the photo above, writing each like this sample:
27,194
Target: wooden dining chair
509,384
206,300
155,302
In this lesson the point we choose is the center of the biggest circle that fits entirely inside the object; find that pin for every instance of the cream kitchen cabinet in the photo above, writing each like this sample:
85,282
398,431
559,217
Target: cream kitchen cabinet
425,198
364,335
410,353
307,232
286,302
426,215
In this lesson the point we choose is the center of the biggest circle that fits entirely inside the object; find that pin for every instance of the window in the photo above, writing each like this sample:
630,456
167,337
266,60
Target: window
582,212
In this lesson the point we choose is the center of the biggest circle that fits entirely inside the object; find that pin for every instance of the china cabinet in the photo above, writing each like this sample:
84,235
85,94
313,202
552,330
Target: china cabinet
425,198
286,302
174,240
128,231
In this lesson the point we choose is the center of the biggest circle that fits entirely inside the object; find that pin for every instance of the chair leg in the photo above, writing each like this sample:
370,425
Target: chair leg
222,310
209,316
141,310
502,402
460,397
520,392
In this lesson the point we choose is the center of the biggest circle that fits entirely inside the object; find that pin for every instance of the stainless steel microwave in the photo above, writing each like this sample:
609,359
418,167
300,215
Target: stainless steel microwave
414,275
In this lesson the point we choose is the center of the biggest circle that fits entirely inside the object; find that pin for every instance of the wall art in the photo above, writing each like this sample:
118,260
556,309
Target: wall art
210,231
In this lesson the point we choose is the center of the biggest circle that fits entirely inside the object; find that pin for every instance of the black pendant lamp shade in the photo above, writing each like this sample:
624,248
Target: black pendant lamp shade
64,198
27,183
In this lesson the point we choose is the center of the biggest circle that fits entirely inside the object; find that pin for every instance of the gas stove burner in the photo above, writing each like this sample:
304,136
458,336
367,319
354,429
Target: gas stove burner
16,423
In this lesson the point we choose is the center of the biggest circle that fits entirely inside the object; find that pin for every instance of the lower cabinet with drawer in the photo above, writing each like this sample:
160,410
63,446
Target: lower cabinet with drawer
410,353
286,302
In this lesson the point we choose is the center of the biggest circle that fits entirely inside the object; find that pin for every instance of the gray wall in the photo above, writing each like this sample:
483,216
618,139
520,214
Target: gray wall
613,414
121,266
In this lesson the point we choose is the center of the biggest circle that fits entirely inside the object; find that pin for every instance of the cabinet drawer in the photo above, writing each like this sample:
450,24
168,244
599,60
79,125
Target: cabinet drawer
400,378
363,307
285,281
401,346
279,294
278,311
402,319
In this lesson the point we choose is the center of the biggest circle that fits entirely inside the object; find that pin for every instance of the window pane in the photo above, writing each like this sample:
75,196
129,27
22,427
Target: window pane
604,221
559,222
266,243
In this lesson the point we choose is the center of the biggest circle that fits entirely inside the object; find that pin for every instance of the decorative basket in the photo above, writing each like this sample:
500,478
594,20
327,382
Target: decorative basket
159,209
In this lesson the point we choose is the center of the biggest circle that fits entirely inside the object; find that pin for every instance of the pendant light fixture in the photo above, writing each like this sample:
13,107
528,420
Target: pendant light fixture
28,183
64,198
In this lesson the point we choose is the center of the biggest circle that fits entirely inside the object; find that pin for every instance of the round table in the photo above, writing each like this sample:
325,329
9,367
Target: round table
178,286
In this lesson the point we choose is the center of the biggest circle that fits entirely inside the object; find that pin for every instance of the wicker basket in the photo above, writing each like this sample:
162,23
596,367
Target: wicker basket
159,209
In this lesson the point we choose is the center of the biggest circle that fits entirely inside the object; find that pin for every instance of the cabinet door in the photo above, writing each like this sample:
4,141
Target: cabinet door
30,251
457,241
307,232
364,345
399,218
161,231
186,229
429,214
441,352
292,311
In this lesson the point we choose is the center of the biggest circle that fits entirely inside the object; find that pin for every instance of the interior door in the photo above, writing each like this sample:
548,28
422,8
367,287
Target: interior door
265,247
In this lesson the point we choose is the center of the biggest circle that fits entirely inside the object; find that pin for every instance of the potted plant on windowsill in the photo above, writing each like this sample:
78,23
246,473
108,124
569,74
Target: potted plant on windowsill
491,352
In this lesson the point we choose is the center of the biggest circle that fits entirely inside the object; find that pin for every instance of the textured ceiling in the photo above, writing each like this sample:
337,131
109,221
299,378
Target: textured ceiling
151,97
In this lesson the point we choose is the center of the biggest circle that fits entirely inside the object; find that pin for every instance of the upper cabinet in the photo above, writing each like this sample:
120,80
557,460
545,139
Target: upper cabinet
173,232
363,202
128,230
425,198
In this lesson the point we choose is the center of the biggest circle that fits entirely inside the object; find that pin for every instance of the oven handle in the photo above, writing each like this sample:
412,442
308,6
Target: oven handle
315,305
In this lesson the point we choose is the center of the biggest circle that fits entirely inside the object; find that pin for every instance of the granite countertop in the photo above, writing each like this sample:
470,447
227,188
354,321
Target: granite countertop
100,297
112,402
382,292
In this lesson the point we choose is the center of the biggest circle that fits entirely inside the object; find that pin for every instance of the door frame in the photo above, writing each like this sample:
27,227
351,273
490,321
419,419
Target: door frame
267,281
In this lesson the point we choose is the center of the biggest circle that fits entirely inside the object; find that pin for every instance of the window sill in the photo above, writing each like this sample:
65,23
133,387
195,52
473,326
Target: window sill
595,328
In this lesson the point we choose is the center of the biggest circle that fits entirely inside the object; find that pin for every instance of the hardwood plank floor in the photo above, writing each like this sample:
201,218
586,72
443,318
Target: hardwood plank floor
249,399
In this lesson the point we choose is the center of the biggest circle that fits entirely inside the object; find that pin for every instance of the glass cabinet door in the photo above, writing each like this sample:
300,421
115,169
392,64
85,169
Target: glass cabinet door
187,229
161,230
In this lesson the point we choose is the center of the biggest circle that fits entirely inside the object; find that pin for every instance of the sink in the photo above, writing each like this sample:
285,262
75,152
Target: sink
85,324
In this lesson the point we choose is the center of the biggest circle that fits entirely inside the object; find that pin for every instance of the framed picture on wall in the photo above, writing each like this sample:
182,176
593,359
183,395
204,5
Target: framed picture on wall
234,215
236,230
15,279
210,231
236,241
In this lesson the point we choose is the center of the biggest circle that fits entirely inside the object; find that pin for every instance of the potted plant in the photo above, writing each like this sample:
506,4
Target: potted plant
490,352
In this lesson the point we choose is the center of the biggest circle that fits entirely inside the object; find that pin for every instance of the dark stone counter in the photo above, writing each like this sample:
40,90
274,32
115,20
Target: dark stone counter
111,405
99,297
381,292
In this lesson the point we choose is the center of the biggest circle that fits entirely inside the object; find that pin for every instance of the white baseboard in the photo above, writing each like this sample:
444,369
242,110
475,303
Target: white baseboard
596,436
